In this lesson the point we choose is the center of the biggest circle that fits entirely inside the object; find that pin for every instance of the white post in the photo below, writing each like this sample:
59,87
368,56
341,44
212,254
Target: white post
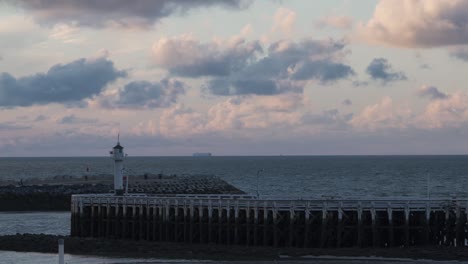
61,251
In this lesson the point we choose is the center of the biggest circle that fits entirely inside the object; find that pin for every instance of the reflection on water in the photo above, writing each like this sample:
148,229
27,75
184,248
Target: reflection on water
8,257
55,223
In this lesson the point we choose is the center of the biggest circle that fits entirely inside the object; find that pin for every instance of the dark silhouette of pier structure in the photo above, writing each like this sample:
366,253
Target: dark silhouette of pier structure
247,220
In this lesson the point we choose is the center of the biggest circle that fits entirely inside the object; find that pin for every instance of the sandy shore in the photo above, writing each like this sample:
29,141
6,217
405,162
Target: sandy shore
141,249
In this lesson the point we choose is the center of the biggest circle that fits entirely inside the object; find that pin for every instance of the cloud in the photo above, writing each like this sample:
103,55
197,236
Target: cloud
460,53
8,126
450,112
238,69
66,33
185,56
347,102
358,83
72,119
339,22
284,21
67,83
138,13
142,94
417,23
431,92
251,86
383,115
380,69
328,120
41,118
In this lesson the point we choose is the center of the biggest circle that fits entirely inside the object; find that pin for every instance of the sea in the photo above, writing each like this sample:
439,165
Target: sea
298,177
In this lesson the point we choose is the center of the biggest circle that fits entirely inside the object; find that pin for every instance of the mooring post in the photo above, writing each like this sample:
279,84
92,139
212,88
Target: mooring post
339,232
61,251
134,221
390,224
427,229
255,223
407,224
200,221
210,221
185,221
148,221
82,219
323,236
291,222
155,220
375,234
124,218
248,221
275,224
192,215
459,236
117,220
176,221
360,229
307,224
108,218
236,223
228,222
220,222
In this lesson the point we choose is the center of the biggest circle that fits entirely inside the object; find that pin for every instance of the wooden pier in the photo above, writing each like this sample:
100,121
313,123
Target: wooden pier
246,220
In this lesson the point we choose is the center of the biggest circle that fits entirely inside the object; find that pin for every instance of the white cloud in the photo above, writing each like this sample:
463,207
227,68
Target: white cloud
66,33
449,112
382,115
284,21
417,23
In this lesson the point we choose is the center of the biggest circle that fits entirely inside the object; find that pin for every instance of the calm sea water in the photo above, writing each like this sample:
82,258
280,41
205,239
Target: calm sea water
297,176
286,176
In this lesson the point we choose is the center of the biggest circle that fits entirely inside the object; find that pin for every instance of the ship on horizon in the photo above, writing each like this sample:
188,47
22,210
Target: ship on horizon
201,154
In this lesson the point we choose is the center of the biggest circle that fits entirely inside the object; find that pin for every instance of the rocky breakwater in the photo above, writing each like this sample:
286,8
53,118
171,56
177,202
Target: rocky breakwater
54,193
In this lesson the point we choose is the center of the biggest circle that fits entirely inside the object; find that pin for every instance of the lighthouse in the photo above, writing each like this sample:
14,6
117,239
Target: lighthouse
118,156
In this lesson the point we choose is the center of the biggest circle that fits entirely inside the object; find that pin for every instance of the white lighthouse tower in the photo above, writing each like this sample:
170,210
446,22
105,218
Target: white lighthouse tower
118,156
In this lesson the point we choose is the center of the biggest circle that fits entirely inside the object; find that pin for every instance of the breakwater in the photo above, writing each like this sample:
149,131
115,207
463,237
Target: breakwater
245,220
55,193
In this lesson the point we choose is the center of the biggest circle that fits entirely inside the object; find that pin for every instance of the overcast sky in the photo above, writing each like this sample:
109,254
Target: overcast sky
233,77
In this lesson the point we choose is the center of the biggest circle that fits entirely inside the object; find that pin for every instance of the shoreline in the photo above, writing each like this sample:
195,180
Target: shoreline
167,250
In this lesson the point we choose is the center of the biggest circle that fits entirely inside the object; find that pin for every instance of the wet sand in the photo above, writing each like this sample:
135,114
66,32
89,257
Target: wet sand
141,249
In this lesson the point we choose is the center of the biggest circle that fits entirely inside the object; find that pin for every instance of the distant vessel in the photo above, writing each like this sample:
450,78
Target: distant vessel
201,154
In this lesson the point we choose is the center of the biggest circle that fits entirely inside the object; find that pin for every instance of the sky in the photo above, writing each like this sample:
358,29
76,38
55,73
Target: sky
233,77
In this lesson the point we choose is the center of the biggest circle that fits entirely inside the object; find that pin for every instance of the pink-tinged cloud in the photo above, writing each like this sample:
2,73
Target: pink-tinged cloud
188,57
284,21
381,116
417,23
338,22
450,112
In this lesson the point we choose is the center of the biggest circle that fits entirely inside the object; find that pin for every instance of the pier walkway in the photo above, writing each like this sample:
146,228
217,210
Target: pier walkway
247,220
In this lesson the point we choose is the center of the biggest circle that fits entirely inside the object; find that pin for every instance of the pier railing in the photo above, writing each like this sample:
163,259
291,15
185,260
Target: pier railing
248,220
247,201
